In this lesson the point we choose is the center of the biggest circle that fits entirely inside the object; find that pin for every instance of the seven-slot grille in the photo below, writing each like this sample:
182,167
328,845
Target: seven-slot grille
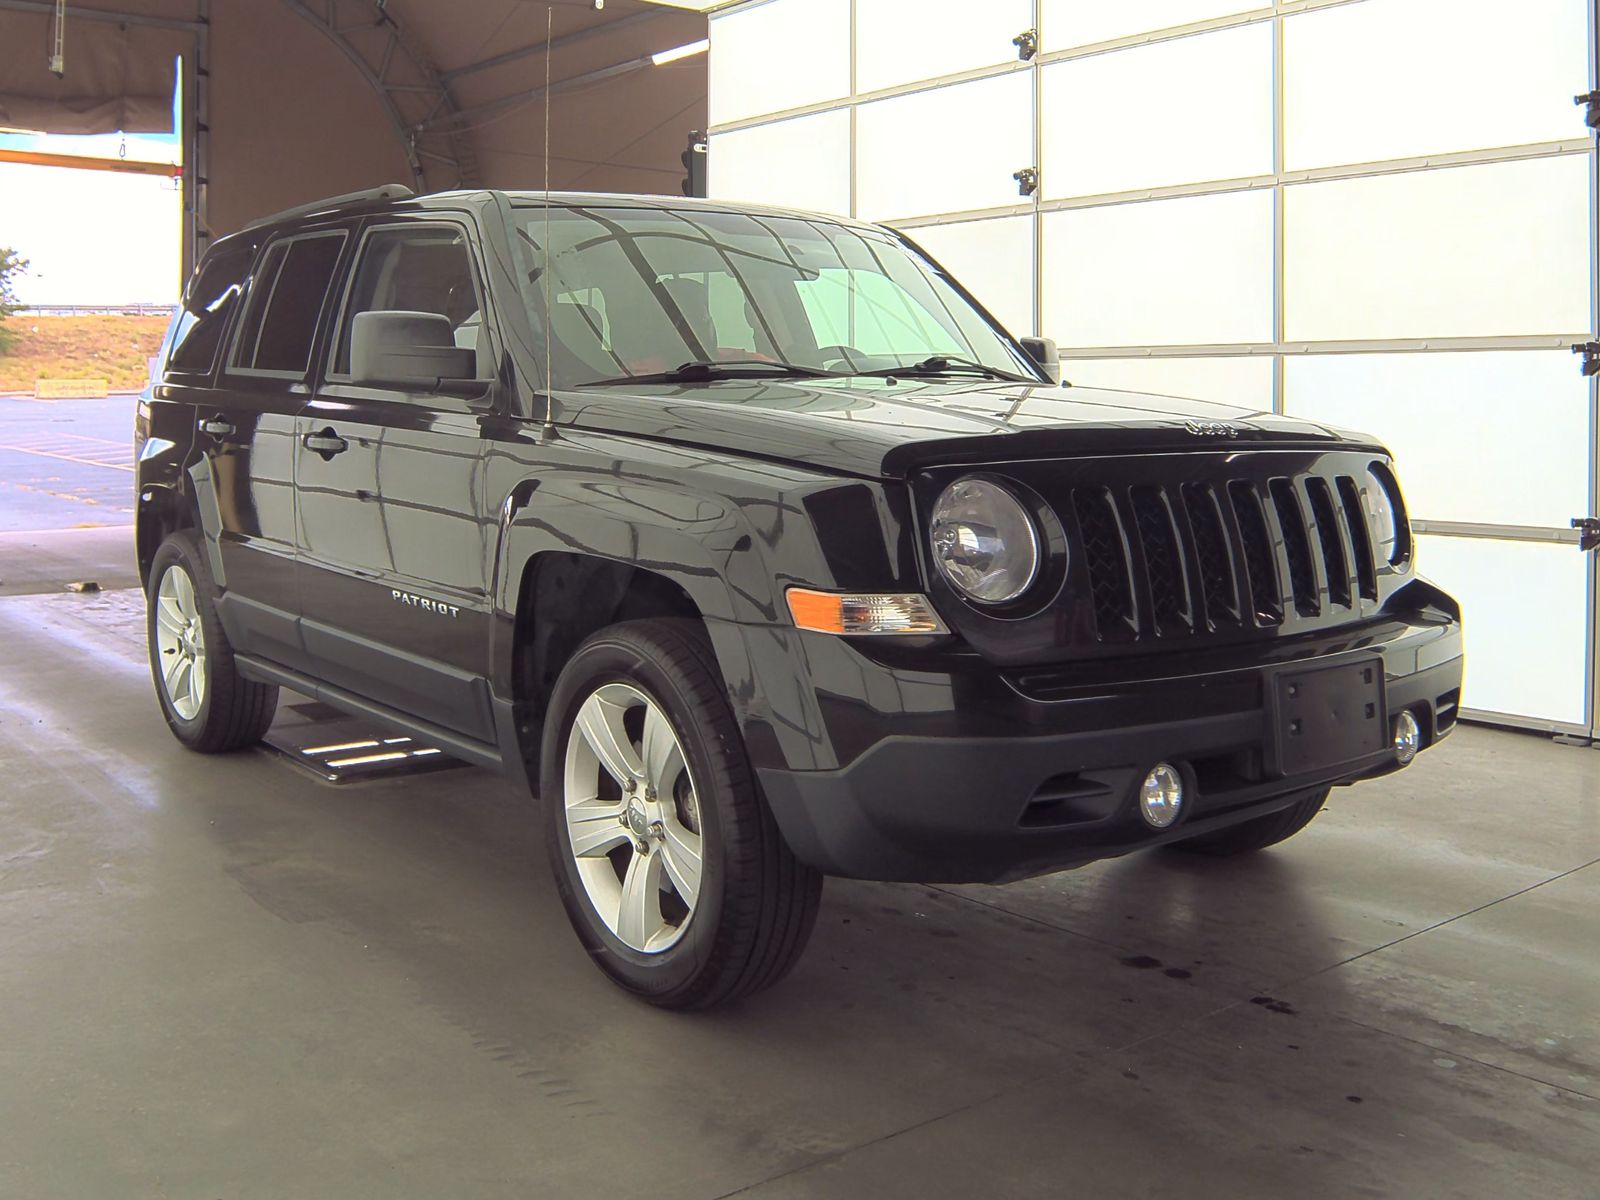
1224,554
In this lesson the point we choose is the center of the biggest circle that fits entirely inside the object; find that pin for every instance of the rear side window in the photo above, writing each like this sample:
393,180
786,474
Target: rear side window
212,296
414,268
280,322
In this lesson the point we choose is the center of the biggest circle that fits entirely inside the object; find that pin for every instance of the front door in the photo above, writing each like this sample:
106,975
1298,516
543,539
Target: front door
395,538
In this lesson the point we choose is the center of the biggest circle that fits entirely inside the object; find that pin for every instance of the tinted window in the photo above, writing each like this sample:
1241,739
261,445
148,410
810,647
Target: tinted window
212,294
426,269
285,302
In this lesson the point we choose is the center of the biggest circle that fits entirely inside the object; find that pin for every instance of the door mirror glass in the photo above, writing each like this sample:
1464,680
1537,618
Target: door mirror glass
409,350
1043,351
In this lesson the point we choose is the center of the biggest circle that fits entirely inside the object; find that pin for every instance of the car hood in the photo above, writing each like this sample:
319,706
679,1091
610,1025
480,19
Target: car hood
877,429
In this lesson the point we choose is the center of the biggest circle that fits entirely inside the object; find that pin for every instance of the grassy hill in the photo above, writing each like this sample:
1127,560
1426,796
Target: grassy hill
116,348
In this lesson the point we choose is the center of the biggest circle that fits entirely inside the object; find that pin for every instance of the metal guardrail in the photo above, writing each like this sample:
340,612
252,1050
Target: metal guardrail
96,310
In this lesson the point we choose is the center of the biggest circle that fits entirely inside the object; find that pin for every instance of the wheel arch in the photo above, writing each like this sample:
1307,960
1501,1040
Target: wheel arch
162,511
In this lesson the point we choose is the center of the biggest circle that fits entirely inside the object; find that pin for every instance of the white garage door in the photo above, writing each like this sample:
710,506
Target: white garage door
1379,213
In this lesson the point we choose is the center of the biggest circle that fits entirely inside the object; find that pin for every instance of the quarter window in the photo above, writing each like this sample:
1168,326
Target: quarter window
197,330
286,301
421,269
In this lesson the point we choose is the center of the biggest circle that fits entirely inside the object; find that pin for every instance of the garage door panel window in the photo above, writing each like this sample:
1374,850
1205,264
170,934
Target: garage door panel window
747,79
993,260
1245,382
1532,668
423,269
1068,23
286,300
798,163
979,129
906,41
1433,78
1112,121
1466,252
1190,271
1437,412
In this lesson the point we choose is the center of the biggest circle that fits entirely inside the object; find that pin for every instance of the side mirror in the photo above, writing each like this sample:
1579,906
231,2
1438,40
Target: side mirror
409,350
1043,351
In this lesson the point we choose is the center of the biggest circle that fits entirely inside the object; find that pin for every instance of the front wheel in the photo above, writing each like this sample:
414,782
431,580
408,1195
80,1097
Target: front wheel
208,705
1260,833
668,862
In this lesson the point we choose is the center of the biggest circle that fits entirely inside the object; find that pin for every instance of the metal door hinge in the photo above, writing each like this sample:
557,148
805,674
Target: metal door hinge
1591,356
1592,117
1588,532
1027,181
1027,44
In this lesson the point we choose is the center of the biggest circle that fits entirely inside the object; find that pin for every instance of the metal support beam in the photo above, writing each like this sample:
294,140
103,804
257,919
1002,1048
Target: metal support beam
83,162
493,108
405,81
569,39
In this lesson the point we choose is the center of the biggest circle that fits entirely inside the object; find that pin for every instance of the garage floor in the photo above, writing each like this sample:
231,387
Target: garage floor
221,978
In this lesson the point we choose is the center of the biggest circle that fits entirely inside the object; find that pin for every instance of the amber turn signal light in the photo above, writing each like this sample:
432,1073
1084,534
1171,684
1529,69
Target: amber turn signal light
857,613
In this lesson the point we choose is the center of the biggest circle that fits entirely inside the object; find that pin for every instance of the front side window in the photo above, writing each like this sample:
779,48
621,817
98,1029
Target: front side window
280,322
423,269
635,291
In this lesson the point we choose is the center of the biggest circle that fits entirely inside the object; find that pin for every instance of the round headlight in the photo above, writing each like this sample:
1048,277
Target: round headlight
1391,539
984,541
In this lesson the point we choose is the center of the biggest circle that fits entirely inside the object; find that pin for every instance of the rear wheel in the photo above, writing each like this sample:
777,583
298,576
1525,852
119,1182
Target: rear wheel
208,705
669,864
1259,833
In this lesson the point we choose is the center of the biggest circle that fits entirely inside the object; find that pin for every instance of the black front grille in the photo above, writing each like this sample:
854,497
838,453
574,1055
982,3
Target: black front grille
1169,595
1296,547
1106,552
1211,554
1200,557
1260,564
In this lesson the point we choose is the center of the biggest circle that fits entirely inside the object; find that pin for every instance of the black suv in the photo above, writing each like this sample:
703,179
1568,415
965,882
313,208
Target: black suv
759,551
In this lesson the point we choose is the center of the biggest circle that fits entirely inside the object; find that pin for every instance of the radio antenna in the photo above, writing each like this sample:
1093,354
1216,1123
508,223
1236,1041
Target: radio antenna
549,254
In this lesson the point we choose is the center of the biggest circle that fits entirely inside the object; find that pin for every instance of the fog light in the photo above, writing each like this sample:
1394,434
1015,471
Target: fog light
1161,796
1407,738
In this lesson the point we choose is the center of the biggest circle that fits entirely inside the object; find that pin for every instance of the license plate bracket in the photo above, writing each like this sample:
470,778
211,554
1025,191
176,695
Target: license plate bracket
1330,715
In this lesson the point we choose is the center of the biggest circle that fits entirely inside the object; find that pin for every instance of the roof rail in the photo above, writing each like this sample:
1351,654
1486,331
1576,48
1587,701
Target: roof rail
389,191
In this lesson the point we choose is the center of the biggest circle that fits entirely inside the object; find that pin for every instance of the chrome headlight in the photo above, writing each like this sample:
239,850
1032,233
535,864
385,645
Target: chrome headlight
1391,532
984,541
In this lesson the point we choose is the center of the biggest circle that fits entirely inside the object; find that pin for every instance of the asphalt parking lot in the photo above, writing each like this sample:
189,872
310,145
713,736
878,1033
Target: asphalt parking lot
66,493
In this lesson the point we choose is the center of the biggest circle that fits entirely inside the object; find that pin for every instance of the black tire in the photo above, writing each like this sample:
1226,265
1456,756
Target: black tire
757,903
233,712
1259,833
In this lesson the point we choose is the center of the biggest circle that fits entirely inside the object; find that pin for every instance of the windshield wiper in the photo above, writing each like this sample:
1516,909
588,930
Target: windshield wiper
705,371
948,364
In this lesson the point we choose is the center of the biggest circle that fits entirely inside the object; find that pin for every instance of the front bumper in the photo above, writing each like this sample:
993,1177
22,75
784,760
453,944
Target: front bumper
1032,776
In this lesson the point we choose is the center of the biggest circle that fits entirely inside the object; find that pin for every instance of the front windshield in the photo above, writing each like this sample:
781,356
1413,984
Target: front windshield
638,291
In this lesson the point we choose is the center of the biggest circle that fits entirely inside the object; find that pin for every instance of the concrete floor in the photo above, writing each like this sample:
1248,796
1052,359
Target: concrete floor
222,979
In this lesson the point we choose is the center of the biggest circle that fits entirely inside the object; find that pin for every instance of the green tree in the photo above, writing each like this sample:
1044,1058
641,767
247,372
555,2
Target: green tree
12,265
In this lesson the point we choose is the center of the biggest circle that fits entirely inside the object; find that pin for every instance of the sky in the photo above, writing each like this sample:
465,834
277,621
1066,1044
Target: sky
92,237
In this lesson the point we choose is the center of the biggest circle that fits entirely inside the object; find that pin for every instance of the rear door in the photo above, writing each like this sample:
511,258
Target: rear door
246,487
395,536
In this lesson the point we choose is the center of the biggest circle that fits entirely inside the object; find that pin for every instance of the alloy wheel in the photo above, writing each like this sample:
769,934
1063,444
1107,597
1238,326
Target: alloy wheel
181,643
633,817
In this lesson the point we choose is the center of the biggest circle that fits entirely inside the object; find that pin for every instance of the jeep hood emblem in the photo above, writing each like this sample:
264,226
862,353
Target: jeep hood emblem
1212,428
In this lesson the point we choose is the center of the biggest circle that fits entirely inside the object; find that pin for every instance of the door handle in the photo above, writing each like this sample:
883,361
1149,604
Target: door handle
217,427
326,443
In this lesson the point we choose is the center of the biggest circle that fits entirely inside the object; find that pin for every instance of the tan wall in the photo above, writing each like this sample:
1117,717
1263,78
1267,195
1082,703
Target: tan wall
291,119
